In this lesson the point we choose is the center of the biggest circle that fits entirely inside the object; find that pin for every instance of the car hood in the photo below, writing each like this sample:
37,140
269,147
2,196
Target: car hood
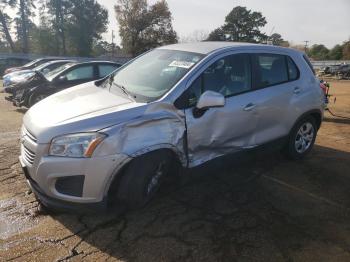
13,69
20,77
32,80
84,108
17,73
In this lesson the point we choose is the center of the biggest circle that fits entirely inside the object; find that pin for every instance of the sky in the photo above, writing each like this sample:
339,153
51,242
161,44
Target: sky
317,21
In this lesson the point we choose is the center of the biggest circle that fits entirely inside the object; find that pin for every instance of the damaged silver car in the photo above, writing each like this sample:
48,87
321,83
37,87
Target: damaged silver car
185,103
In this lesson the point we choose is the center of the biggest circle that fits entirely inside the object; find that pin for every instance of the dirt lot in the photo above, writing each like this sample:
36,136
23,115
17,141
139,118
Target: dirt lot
293,211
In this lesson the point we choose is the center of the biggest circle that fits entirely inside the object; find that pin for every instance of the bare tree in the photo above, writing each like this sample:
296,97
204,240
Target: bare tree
195,36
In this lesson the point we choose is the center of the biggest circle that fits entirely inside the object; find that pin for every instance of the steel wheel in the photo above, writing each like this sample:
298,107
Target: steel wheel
304,137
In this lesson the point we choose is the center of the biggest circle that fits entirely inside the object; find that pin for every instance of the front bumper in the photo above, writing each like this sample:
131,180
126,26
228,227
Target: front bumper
43,173
58,204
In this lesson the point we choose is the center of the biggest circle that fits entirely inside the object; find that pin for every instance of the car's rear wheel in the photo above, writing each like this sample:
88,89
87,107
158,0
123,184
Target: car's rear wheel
143,177
35,98
302,138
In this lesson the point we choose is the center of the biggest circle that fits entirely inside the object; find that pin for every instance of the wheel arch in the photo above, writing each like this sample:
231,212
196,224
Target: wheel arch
314,113
114,181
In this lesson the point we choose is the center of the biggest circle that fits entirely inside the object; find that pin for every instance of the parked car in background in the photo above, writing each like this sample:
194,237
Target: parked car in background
343,72
119,138
11,62
29,65
68,75
333,69
23,75
324,70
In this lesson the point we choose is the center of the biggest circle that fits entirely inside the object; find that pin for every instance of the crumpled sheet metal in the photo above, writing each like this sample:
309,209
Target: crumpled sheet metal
154,130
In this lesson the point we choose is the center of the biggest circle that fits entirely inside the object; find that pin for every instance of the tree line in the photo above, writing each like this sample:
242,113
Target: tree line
75,28
66,27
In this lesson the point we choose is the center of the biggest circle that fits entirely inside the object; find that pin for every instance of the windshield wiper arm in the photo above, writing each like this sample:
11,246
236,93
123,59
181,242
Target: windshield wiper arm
124,90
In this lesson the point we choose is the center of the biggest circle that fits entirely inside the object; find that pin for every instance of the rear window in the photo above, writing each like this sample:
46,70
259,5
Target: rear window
309,64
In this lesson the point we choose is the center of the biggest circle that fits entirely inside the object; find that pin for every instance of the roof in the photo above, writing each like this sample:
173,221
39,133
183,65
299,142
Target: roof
208,47
96,62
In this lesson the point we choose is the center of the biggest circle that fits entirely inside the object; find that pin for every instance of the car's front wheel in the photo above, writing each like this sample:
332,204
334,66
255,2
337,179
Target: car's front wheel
143,177
302,138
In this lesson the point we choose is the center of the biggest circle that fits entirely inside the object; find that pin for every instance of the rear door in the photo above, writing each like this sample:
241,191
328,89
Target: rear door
276,80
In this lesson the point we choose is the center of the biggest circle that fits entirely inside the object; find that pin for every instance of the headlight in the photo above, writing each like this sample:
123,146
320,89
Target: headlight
76,145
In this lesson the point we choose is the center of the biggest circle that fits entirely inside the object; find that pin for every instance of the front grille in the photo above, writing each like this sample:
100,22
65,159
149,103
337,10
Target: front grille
29,155
29,135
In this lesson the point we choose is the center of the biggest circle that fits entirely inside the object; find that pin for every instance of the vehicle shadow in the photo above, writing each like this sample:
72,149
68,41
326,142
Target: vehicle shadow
21,110
225,210
337,120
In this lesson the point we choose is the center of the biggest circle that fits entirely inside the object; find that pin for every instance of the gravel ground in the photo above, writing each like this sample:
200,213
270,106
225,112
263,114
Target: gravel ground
287,211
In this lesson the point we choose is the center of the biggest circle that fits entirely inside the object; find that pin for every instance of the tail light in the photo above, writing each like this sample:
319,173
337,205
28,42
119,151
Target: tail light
324,88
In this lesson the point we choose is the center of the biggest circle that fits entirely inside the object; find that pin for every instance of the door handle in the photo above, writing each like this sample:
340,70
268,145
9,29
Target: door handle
249,107
297,90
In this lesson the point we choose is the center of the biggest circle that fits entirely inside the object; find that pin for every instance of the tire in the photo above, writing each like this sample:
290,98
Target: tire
143,177
302,138
35,98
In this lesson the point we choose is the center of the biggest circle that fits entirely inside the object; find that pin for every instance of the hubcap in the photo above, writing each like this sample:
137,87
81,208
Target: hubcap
304,137
154,182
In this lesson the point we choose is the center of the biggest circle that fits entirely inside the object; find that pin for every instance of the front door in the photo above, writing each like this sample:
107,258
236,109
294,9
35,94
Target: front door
76,76
226,129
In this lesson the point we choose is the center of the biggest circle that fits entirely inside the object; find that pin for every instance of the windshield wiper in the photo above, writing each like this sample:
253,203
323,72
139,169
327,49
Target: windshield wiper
124,90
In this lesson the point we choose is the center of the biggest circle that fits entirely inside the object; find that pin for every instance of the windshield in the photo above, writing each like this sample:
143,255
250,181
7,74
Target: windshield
52,74
42,66
153,74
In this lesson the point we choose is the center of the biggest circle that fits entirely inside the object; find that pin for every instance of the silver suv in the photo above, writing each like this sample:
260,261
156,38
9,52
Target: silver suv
189,103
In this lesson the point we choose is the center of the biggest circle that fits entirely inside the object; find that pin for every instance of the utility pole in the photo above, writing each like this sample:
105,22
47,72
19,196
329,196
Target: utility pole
306,45
112,43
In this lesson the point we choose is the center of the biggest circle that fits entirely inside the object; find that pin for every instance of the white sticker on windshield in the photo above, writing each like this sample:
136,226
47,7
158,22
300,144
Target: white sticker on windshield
182,64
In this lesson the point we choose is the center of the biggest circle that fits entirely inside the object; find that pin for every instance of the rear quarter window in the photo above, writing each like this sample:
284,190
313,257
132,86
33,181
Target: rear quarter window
293,70
307,60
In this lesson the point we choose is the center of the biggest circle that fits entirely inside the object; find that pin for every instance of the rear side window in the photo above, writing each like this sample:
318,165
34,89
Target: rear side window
84,72
270,69
106,69
309,64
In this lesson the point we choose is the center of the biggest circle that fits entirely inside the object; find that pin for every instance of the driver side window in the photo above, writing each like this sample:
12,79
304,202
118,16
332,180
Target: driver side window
229,76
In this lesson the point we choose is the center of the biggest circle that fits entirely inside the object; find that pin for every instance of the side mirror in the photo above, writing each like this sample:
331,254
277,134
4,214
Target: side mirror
210,99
